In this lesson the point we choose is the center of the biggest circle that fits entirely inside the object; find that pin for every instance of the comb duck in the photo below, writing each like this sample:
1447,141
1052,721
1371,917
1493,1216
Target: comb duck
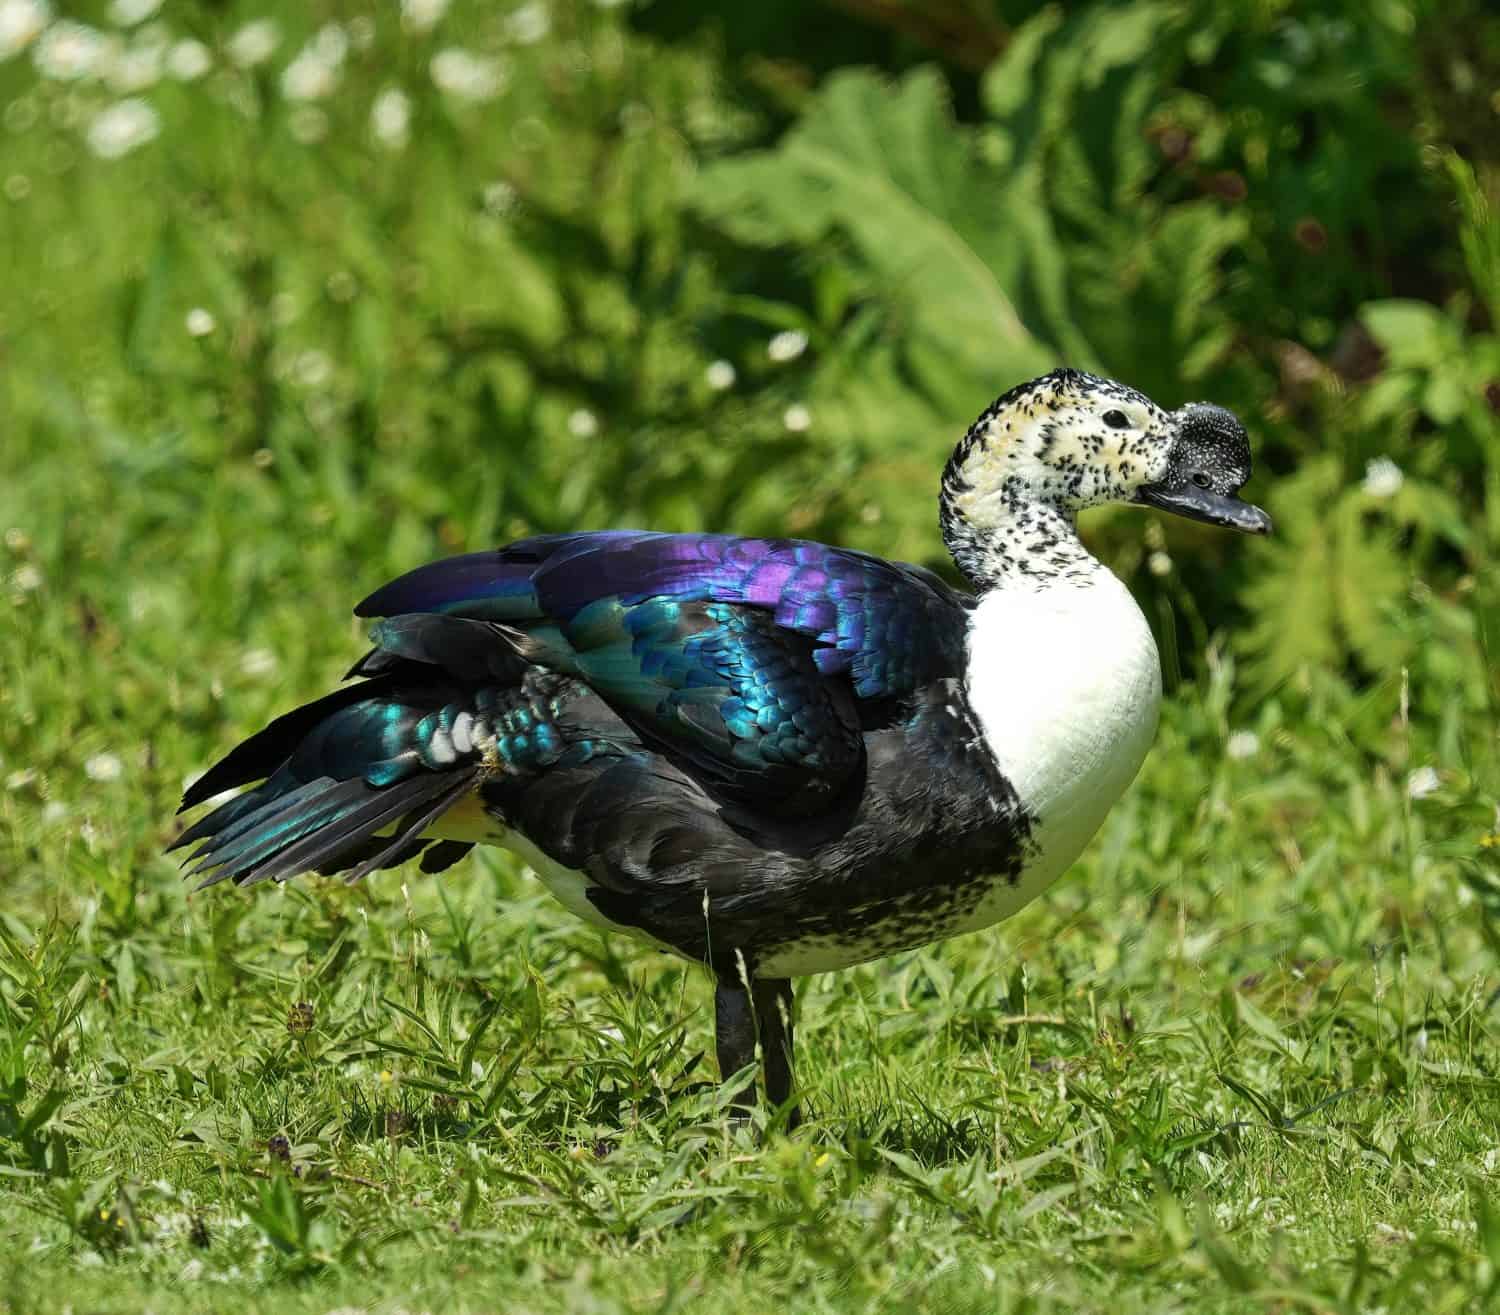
770,756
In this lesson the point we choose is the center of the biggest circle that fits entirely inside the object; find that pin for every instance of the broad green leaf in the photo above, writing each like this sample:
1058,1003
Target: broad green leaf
885,166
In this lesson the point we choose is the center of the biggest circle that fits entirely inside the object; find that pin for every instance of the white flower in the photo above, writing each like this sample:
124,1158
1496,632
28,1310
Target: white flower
27,578
135,69
256,662
188,60
21,22
121,128
797,418
583,423
1159,563
422,15
309,76
199,322
390,118
254,43
127,13
69,51
1242,744
529,24
104,767
720,375
1423,782
787,345
330,44
467,76
1383,478
20,780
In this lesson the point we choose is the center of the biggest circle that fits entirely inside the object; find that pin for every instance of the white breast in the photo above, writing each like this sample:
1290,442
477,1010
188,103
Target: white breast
1066,684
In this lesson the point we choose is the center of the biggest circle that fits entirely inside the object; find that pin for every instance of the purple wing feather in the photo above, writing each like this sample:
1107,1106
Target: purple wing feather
888,625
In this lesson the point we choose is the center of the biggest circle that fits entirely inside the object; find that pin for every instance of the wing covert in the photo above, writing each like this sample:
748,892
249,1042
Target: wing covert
745,657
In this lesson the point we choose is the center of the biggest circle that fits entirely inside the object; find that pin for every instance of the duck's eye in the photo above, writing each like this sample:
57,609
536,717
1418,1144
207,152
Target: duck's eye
1201,479
1117,420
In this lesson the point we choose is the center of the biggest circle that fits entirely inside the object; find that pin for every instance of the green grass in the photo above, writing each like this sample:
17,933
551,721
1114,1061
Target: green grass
1245,1057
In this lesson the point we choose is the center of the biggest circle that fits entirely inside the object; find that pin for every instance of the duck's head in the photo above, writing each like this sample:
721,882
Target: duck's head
1070,440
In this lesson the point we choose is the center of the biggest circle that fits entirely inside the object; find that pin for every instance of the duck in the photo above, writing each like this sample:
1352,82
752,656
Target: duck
770,756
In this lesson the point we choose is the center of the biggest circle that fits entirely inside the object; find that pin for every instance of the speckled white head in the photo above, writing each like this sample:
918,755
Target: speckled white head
1068,440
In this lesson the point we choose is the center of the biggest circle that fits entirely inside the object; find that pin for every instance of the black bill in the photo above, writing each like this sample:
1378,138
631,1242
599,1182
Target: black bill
1208,465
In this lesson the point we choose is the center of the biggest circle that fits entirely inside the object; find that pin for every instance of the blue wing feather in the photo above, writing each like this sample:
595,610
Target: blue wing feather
888,625
745,656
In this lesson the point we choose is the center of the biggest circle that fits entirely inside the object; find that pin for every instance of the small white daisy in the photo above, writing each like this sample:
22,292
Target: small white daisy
720,375
188,60
122,128
70,51
466,76
255,662
27,578
797,418
583,423
1383,478
1159,563
422,15
330,44
127,13
787,345
309,77
390,118
254,43
21,22
199,322
529,24
1242,745
1423,782
104,767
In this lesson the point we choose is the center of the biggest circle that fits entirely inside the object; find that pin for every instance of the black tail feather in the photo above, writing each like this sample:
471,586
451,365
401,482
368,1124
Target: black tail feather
264,752
326,825
360,811
409,832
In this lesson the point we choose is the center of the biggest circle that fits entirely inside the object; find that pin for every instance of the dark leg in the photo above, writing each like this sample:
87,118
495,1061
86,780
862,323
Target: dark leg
734,1035
773,1013
761,1013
